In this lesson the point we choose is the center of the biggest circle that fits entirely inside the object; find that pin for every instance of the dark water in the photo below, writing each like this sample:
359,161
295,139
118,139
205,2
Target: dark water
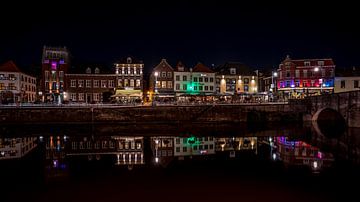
178,163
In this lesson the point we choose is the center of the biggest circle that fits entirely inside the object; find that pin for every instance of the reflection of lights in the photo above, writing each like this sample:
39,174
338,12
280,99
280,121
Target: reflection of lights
270,139
274,156
157,141
156,159
319,155
203,152
2,153
55,163
41,138
65,137
315,164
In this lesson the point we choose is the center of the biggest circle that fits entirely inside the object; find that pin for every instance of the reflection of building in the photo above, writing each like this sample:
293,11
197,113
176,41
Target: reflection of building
129,75
305,77
126,150
163,149
236,78
301,153
55,64
91,87
56,166
188,146
236,143
21,86
16,147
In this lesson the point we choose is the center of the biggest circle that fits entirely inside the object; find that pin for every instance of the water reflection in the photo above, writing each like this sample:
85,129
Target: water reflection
11,148
132,151
299,153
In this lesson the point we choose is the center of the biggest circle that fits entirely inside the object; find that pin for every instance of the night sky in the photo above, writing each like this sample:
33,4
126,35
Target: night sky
212,32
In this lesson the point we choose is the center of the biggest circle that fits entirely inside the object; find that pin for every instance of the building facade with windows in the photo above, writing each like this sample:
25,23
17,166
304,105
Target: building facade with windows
16,147
236,78
305,77
162,81
16,86
91,87
199,80
55,65
189,146
347,80
124,150
129,78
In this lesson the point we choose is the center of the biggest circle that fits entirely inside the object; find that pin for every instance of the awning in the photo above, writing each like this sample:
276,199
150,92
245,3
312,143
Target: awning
128,93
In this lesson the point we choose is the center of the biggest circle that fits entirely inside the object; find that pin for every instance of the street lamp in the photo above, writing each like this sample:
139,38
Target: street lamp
156,74
317,69
272,89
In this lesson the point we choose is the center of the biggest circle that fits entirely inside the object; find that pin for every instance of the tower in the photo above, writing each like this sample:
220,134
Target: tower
55,64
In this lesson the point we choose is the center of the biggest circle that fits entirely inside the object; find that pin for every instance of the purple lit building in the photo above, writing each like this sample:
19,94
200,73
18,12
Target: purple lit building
55,64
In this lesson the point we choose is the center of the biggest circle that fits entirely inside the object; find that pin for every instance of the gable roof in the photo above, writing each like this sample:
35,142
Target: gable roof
9,66
180,65
202,68
163,64
241,69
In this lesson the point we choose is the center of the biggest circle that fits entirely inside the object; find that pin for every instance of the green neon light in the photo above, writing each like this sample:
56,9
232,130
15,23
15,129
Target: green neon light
192,141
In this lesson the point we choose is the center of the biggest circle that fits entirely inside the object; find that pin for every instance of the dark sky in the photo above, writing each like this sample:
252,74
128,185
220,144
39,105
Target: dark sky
258,34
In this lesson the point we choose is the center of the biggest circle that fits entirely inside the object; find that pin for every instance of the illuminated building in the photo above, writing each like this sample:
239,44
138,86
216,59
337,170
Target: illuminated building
347,80
305,77
92,86
189,146
162,81
11,148
55,64
236,78
199,80
129,74
22,87
301,153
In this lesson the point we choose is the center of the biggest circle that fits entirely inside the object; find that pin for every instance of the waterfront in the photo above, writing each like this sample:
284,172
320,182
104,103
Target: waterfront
187,163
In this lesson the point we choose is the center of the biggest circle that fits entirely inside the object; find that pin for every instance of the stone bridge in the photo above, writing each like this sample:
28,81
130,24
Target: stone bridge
331,108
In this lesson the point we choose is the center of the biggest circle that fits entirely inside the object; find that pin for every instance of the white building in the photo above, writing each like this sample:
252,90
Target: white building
344,84
11,148
199,80
20,86
188,146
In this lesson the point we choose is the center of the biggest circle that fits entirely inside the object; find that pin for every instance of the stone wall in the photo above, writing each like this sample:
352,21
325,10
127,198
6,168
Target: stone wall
207,113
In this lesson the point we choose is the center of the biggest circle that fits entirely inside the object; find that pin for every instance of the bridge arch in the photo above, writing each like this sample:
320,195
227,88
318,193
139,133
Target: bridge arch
328,114
329,122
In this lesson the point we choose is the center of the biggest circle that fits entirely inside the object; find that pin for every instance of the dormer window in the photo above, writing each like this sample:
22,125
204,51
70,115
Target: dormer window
307,63
88,70
232,71
97,70
128,60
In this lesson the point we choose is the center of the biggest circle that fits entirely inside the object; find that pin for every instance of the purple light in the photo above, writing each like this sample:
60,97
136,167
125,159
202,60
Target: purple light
319,155
53,65
55,163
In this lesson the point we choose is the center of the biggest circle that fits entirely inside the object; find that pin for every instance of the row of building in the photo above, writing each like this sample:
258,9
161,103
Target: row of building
129,151
126,83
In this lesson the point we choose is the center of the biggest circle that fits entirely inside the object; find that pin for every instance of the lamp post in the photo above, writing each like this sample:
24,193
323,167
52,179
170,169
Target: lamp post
273,88
317,69
156,74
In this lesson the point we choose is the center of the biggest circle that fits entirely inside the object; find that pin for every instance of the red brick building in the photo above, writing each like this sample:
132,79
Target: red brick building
91,87
305,77
55,64
163,76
